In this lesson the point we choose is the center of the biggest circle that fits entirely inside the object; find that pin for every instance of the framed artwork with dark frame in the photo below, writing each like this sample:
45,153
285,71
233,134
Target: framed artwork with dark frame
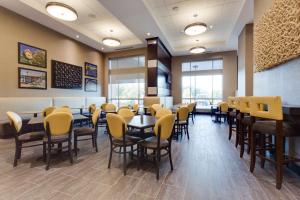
32,79
30,55
90,85
90,69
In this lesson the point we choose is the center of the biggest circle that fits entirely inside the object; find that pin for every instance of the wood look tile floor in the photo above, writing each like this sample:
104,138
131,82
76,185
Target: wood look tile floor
205,167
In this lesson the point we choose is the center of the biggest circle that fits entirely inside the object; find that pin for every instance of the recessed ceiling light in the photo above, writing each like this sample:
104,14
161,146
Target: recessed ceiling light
148,34
196,50
102,48
112,42
195,29
211,26
61,11
77,36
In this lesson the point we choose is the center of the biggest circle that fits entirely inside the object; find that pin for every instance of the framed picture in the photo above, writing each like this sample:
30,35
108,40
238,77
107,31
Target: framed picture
90,69
32,79
90,85
30,55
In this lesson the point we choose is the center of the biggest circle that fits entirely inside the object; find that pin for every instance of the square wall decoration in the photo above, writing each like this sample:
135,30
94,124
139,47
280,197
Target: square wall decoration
90,85
90,70
30,55
32,79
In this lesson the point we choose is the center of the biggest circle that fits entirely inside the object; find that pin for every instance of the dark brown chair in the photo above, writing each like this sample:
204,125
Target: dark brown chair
161,141
85,132
58,126
271,124
22,138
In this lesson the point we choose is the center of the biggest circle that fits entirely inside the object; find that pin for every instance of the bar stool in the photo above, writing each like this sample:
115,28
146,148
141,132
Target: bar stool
232,114
222,112
271,124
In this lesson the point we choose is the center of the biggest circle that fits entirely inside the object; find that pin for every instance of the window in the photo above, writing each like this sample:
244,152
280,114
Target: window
126,80
202,82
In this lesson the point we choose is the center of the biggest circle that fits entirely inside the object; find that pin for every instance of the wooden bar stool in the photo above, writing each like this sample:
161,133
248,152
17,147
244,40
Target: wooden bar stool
271,123
232,114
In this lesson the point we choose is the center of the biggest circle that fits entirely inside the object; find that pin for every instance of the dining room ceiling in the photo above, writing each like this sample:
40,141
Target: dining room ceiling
131,20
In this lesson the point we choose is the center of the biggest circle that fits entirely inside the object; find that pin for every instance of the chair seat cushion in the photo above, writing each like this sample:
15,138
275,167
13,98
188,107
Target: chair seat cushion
129,140
151,143
57,138
32,136
269,127
84,131
232,114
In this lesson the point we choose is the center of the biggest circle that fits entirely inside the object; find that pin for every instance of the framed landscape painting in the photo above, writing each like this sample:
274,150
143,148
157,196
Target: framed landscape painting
90,69
32,79
90,85
30,55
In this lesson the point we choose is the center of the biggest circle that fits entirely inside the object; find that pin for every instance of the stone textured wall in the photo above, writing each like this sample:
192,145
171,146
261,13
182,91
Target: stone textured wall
277,35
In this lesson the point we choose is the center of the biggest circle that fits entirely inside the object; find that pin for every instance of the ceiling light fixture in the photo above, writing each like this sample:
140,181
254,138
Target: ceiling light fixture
197,50
148,34
195,29
61,11
112,42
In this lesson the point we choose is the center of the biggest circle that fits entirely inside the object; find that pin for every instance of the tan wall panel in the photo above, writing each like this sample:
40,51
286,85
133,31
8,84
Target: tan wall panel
14,29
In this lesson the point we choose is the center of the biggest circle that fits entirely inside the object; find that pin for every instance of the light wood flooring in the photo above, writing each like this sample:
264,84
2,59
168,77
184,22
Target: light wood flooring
205,167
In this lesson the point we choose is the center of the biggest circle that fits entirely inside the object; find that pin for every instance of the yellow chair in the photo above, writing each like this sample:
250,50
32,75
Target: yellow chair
86,131
135,108
192,110
271,123
222,111
162,112
58,126
63,109
154,108
110,107
161,141
22,138
182,122
118,139
103,106
123,107
126,113
232,113
48,111
92,108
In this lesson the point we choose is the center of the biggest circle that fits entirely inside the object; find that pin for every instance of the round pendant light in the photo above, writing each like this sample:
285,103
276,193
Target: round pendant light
195,29
112,42
61,11
196,50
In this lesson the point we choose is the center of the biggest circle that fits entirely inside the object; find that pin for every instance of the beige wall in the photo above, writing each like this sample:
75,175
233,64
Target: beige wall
119,54
245,61
14,29
229,72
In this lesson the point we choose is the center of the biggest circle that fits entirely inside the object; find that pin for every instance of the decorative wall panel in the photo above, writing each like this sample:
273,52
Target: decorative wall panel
277,35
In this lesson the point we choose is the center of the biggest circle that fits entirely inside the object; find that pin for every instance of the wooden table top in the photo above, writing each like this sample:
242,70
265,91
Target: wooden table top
141,121
109,111
40,119
30,112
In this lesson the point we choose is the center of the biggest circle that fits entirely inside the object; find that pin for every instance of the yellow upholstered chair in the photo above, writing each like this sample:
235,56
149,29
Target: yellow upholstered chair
84,132
135,108
117,129
22,138
182,122
161,141
162,112
269,121
122,107
110,107
63,109
154,108
192,110
48,111
222,111
103,106
126,113
58,126
92,108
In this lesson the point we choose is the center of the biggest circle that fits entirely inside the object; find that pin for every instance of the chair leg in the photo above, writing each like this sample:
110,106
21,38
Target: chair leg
262,151
44,151
124,160
16,154
110,155
252,150
48,156
279,160
170,157
237,136
242,141
230,128
131,152
187,131
75,145
157,164
93,140
96,145
138,157
249,141
193,118
70,152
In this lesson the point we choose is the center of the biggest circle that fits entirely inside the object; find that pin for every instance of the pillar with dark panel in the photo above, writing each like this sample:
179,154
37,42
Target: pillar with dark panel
159,68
